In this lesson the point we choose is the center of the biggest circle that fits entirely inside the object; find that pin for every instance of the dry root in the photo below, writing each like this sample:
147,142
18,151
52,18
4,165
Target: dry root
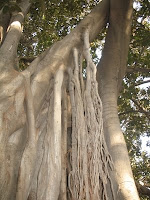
90,158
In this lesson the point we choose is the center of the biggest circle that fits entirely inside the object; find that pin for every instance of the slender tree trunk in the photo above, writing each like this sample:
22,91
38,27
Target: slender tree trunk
111,70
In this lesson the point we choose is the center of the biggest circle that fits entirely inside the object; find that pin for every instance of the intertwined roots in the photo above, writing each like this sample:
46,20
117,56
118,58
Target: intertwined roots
90,159
90,162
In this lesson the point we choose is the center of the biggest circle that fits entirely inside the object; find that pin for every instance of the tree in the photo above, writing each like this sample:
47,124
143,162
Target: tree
55,142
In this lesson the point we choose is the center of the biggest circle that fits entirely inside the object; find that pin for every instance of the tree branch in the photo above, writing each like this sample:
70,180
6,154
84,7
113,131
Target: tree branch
59,53
143,82
142,189
137,69
142,110
9,48
46,64
26,59
4,23
129,111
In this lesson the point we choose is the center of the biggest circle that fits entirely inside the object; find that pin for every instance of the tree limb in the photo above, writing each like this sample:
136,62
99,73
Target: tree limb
45,65
26,59
4,22
129,111
142,189
60,51
8,49
147,114
137,69
143,82
111,70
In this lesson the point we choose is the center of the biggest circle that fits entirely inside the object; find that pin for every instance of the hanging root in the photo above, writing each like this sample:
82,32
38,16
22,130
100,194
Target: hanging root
54,129
29,155
90,158
63,190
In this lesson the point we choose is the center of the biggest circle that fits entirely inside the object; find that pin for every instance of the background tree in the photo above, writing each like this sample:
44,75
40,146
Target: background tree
29,151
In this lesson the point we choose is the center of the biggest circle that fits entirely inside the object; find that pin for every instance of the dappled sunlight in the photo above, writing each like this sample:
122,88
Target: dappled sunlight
117,140
128,184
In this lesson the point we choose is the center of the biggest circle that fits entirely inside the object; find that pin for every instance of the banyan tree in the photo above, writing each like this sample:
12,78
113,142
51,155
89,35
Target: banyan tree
60,135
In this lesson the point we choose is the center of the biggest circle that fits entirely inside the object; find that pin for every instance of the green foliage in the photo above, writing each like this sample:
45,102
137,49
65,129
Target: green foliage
48,22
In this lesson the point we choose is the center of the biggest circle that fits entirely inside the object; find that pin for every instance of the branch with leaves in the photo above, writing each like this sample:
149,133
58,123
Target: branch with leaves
138,69
141,109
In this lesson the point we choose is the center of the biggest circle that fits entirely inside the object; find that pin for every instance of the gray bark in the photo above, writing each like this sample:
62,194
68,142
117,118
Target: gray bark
110,74
30,141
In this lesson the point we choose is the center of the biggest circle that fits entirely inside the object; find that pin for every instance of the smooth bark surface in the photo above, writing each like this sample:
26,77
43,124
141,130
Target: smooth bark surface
110,74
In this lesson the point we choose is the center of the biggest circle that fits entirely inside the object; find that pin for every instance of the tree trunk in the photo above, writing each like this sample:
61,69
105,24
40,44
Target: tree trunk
110,74
34,162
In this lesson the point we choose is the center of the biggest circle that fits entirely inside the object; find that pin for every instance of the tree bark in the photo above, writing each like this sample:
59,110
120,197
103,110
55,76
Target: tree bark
30,107
111,70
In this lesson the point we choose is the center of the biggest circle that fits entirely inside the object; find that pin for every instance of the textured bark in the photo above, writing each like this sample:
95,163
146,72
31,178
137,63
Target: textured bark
33,116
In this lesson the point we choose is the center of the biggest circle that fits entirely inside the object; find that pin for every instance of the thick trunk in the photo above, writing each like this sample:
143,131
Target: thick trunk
111,70
33,118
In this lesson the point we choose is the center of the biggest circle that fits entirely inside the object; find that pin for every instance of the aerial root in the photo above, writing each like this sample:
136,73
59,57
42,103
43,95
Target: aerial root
90,158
